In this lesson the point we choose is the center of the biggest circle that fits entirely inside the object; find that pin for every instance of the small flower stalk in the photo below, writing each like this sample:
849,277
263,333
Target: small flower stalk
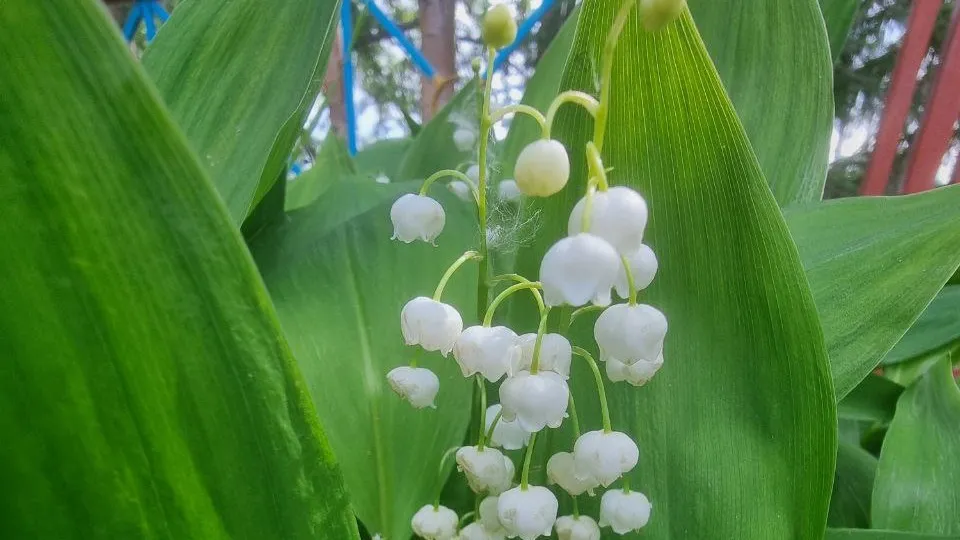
602,262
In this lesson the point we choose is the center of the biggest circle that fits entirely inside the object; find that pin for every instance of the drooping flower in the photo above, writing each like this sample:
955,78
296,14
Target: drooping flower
643,268
487,470
630,334
488,515
605,456
638,374
535,400
507,434
579,269
461,189
618,215
464,139
418,386
624,511
577,528
527,513
489,351
417,217
542,168
433,325
556,353
435,523
473,173
476,531
508,191
561,471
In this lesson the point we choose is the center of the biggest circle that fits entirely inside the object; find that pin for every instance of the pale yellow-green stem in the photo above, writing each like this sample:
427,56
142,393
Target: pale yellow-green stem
527,458
574,418
488,317
483,412
584,310
485,125
604,409
520,279
541,330
445,174
577,97
606,71
630,282
493,425
469,255
440,476
521,109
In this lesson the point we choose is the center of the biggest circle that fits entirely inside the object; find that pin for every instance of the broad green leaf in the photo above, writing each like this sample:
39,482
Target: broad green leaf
873,265
332,165
339,282
738,431
874,399
238,77
145,388
839,16
382,157
905,373
774,60
938,326
852,487
917,478
433,148
862,534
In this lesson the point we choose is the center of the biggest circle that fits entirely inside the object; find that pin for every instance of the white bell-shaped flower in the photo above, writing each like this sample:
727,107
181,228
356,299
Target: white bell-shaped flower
433,325
435,523
528,513
555,353
542,168
473,173
461,189
464,139
476,531
508,191
488,515
417,217
643,268
419,386
561,471
630,334
507,434
618,215
535,400
577,528
605,456
579,269
638,374
624,511
489,351
487,470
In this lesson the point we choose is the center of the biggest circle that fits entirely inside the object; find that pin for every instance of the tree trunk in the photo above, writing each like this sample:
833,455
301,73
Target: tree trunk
439,45
333,88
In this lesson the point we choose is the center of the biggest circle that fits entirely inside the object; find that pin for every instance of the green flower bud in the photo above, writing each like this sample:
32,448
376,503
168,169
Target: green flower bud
656,14
499,27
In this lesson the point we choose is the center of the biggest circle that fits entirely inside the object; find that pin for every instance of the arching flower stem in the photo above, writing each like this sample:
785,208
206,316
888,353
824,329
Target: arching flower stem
606,71
521,109
448,173
630,282
583,99
440,476
488,317
481,439
527,458
467,256
604,409
520,279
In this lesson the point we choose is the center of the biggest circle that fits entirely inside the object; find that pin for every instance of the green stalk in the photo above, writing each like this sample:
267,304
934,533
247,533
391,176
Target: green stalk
488,316
469,255
485,125
527,458
604,409
606,73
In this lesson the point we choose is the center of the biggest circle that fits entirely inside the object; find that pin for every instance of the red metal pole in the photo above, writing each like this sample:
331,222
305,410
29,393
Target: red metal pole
936,128
923,16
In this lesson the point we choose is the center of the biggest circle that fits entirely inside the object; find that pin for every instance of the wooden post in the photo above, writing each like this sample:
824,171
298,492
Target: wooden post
437,25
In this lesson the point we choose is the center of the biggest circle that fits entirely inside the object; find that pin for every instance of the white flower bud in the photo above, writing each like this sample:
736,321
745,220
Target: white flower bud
605,456
535,401
476,531
461,189
643,266
499,27
555,353
542,168
435,523
624,512
579,269
382,179
561,471
618,215
487,470
655,14
488,516
417,217
489,351
507,434
417,385
508,191
528,513
464,139
577,528
638,374
629,334
473,173
433,325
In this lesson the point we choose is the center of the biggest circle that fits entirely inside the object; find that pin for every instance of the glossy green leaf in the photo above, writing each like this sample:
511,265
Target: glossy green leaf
852,487
332,165
839,16
339,282
917,479
382,157
737,432
238,77
874,399
873,265
433,148
145,388
774,60
862,534
937,327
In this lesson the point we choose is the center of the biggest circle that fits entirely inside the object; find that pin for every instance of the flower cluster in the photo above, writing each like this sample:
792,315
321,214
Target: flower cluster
602,256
